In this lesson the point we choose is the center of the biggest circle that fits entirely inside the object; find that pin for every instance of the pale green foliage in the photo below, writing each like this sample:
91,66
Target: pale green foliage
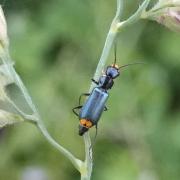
7,118
5,80
8,75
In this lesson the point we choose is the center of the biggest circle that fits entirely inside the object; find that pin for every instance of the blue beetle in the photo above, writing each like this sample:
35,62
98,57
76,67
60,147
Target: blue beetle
95,104
91,111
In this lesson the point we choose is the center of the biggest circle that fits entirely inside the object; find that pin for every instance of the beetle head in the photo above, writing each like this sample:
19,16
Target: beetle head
112,71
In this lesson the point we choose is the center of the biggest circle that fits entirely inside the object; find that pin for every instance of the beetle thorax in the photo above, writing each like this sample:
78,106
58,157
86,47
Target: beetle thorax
106,82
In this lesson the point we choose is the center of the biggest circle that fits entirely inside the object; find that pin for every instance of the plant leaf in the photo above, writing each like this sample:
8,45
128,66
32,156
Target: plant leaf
4,81
7,118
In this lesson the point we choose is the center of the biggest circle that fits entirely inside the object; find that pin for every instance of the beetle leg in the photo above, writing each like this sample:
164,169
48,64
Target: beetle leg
94,81
74,110
105,108
84,94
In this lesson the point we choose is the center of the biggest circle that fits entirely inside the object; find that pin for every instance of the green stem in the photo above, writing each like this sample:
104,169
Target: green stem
105,53
76,162
12,73
86,175
135,17
85,168
115,27
108,43
35,118
87,171
31,118
89,155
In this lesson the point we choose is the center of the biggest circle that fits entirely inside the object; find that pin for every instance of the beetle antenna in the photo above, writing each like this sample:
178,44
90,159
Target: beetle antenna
115,52
131,64
93,143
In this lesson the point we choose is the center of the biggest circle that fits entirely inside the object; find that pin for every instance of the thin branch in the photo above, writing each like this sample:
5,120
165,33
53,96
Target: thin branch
32,118
119,8
35,117
105,53
89,154
76,162
109,42
115,27
135,17
84,167
12,73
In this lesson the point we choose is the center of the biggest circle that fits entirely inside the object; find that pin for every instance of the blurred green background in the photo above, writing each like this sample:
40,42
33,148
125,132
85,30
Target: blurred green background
56,46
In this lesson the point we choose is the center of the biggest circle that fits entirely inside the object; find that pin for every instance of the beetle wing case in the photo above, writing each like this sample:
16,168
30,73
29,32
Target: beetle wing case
94,105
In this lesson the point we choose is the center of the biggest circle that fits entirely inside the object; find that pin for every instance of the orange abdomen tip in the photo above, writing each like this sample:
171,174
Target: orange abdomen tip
86,123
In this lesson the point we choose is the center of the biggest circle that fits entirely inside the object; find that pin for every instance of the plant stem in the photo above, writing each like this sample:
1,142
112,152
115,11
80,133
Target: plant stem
115,27
108,43
89,155
76,162
85,168
31,118
85,178
35,117
105,53
12,73
135,17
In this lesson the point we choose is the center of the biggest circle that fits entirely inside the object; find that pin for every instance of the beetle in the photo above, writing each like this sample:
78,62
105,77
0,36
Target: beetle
91,111
95,104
